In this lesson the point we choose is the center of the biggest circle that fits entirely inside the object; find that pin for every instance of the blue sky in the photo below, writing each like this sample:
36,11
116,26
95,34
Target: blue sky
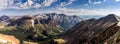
69,7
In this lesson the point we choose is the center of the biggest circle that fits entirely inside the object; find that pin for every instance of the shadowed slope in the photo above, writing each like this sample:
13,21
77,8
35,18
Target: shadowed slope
94,31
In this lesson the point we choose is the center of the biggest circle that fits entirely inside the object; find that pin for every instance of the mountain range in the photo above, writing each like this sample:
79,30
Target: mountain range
66,22
53,28
38,28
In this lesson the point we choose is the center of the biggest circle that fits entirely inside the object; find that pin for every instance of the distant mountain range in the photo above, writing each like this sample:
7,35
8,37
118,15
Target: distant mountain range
105,30
63,20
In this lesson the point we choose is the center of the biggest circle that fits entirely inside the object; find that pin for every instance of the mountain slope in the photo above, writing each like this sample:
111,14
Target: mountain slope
95,31
26,28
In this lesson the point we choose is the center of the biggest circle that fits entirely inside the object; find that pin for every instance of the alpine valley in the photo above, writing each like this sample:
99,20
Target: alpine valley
52,28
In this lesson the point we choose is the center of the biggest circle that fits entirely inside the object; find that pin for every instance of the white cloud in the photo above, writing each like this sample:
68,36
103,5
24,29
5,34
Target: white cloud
27,5
48,2
30,4
67,3
98,2
89,1
9,4
117,0
3,4
37,5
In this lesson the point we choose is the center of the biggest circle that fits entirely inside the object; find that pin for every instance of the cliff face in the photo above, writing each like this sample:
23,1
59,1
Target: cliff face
95,31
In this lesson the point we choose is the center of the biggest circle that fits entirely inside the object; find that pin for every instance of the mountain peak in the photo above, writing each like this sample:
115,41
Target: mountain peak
112,18
111,15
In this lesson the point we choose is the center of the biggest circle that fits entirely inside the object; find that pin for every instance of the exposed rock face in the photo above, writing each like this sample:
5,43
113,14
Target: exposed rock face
61,19
105,30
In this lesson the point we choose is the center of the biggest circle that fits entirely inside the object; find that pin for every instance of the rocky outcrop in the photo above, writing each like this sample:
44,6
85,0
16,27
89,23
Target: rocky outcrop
95,31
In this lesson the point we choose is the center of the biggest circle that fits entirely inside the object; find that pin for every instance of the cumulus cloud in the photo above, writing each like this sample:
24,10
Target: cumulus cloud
10,4
27,5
